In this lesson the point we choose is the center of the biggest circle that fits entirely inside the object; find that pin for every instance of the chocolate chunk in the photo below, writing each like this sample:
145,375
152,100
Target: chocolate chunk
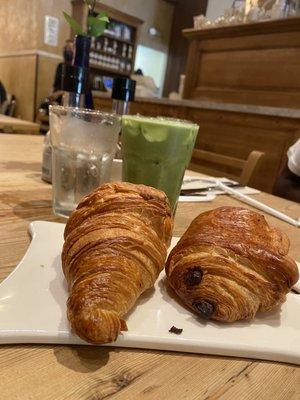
193,276
204,308
175,330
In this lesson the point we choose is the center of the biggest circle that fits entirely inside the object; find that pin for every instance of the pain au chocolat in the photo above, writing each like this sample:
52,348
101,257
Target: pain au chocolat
230,264
115,247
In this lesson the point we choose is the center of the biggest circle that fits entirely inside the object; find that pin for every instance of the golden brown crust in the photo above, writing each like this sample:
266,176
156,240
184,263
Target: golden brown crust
115,247
230,264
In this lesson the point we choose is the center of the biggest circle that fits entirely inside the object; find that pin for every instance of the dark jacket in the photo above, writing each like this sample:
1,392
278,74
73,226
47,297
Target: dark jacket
57,84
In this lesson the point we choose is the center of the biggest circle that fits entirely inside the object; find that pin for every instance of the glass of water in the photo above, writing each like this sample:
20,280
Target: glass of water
83,147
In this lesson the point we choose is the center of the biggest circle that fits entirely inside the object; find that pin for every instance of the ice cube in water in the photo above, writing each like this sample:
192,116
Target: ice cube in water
77,174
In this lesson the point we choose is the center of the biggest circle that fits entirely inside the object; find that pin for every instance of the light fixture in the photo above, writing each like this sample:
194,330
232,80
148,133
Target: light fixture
154,32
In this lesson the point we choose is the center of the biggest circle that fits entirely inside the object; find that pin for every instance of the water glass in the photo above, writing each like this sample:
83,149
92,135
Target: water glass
83,147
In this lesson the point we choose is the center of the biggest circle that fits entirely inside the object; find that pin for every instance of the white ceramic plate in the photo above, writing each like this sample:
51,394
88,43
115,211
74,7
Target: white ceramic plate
33,310
197,199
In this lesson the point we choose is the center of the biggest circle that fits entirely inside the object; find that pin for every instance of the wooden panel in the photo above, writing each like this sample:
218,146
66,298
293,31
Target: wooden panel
184,12
193,61
252,64
257,28
18,76
254,69
143,108
155,110
274,98
236,135
102,104
271,40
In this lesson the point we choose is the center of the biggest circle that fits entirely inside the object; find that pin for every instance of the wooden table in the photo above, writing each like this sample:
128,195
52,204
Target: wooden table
16,125
94,373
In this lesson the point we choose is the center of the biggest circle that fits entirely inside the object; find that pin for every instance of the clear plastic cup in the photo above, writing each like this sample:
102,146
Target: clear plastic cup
156,152
83,147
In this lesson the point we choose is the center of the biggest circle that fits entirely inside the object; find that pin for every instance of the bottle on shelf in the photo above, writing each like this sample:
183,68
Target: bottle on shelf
118,30
98,45
122,65
129,52
124,50
126,33
105,45
115,46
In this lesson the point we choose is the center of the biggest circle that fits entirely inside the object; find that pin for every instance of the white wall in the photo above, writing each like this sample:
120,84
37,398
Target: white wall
216,8
153,63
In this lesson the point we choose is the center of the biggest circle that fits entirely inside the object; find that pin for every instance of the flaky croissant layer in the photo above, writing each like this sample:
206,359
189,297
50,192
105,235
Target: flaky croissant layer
230,264
115,247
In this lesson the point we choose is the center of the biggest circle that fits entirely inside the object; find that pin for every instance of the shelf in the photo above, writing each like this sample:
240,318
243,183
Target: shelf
110,70
106,53
108,36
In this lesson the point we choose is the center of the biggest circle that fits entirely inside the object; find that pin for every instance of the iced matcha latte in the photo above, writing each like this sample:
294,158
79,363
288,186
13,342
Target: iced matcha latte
156,152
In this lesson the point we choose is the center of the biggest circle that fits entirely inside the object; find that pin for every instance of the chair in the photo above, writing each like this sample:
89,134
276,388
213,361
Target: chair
220,165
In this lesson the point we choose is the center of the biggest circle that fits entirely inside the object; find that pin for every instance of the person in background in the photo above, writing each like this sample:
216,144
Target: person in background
145,85
288,181
138,72
68,52
56,96
3,96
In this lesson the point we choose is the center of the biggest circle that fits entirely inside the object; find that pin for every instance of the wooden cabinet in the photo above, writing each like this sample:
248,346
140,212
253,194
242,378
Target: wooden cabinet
256,63
113,53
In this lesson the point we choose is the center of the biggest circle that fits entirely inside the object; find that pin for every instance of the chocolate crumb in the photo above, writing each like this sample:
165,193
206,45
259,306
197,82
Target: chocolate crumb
193,276
204,308
175,330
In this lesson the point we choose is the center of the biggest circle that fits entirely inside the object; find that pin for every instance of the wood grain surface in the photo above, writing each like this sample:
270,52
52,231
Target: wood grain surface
94,373
243,63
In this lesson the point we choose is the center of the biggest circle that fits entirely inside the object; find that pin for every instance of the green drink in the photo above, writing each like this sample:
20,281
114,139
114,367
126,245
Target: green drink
156,152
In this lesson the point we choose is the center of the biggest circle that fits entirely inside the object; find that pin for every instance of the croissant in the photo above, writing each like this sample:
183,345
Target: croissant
115,247
230,264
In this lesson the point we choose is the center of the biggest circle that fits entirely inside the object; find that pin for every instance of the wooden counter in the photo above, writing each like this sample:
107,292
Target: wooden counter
83,372
230,129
